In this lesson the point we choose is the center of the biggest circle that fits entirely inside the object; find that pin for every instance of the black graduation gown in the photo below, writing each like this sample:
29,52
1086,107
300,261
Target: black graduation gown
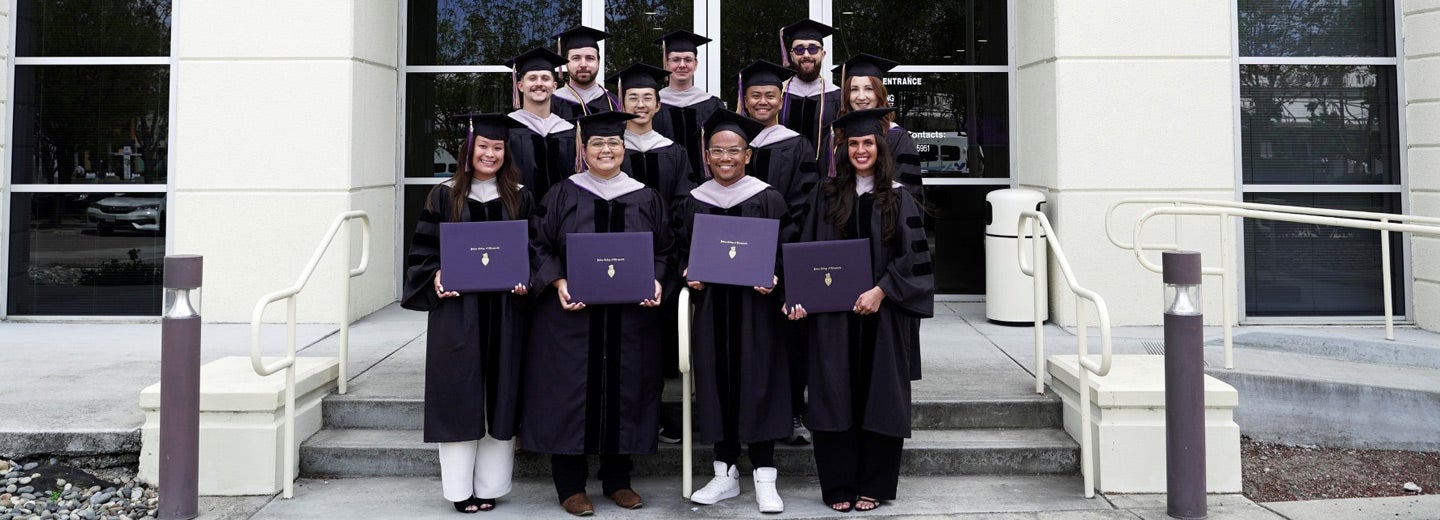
907,161
569,110
742,374
789,167
682,125
474,342
861,366
801,114
543,161
665,169
592,377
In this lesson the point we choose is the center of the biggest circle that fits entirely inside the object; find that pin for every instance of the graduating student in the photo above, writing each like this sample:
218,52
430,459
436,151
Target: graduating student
784,159
592,381
474,341
810,101
684,106
741,365
863,87
544,150
661,164
582,94
864,361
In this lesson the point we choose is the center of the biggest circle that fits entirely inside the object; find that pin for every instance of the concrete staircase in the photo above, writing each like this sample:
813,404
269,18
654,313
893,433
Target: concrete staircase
371,436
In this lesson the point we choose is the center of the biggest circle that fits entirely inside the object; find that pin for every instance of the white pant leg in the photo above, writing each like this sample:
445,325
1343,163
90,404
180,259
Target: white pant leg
494,464
457,469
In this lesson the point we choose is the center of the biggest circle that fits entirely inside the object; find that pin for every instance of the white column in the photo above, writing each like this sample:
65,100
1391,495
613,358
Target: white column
286,117
1422,118
4,107
1124,98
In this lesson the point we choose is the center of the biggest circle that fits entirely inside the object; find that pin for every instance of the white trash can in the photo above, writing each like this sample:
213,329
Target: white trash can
1009,295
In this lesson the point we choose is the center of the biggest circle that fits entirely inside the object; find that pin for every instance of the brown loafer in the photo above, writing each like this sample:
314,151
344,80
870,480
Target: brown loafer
627,498
579,505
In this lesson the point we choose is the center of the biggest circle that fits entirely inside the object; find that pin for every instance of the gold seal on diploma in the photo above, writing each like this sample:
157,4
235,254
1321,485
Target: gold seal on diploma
485,259
611,271
828,280
732,252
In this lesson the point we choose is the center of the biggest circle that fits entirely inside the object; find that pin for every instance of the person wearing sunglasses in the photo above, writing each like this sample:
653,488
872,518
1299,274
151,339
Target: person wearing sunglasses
811,102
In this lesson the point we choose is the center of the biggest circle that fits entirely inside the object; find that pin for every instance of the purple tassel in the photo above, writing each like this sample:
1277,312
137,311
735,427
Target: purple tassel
784,53
833,152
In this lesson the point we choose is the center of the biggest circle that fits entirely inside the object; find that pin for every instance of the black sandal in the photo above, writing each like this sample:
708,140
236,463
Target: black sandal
844,507
874,504
485,504
464,506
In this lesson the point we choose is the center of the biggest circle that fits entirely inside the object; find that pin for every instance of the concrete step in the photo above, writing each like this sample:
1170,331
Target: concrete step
338,453
358,412
1359,345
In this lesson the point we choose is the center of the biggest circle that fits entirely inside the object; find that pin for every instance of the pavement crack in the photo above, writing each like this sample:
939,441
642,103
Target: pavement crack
387,356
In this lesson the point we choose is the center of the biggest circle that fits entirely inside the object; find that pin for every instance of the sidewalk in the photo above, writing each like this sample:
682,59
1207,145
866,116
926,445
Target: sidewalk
74,387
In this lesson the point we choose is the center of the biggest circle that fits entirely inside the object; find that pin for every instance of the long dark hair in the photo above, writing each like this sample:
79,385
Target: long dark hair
507,182
840,190
882,97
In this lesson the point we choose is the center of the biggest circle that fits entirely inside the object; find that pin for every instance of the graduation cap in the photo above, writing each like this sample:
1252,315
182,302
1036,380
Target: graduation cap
870,121
639,75
763,73
603,124
805,29
865,65
490,126
724,120
579,37
531,60
680,41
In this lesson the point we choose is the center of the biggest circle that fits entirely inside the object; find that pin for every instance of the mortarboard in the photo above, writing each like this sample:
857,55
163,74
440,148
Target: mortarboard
865,65
579,37
490,126
639,75
532,60
680,41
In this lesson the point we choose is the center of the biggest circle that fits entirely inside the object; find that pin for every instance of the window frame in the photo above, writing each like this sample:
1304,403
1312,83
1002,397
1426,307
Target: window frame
1404,314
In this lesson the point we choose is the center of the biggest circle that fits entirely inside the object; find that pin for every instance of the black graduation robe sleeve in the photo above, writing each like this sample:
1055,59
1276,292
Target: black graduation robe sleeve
423,260
907,161
907,280
547,258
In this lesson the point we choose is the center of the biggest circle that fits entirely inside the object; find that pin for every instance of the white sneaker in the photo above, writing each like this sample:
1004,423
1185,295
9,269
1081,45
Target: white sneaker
726,484
765,494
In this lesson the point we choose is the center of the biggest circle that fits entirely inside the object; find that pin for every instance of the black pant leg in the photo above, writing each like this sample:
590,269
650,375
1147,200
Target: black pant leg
728,451
762,454
569,473
880,457
615,472
797,347
837,464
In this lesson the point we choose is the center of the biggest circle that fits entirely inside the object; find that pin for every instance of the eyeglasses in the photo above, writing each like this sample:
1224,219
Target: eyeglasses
605,143
677,60
725,152
812,49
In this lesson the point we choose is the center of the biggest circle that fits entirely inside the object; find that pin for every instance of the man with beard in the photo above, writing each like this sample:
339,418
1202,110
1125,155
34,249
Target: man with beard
785,160
810,101
684,106
582,94
544,150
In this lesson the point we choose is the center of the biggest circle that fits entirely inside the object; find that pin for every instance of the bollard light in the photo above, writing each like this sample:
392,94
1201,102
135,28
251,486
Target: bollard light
180,389
1184,386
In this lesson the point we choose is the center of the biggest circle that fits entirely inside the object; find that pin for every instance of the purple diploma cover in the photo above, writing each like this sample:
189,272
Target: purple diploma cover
484,256
733,250
604,268
827,276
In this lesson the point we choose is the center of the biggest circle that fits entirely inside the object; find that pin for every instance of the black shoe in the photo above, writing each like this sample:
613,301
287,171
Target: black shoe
799,434
669,434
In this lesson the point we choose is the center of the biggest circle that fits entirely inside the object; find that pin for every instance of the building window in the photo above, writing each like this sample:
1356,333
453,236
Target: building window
1320,127
88,169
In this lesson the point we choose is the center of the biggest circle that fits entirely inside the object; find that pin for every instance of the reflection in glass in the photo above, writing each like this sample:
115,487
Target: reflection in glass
1296,269
482,32
432,134
635,24
956,230
1309,28
750,31
86,254
94,124
960,121
69,28
969,32
1319,124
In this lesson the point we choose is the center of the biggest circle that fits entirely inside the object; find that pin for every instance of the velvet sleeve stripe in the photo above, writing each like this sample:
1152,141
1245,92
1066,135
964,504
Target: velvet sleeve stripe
922,269
915,222
919,246
428,240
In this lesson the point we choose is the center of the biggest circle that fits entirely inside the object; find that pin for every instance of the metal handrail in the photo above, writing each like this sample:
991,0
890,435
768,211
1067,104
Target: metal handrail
1224,211
1027,222
287,363
687,459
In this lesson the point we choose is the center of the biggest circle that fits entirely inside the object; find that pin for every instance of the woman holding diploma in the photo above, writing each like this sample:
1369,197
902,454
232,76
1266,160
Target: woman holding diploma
742,380
592,373
862,362
473,341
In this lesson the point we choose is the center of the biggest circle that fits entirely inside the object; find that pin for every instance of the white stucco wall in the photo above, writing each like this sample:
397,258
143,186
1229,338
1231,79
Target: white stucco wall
1422,112
286,117
1099,83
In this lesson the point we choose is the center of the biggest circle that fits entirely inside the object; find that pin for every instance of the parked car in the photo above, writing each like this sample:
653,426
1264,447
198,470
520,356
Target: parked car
134,212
